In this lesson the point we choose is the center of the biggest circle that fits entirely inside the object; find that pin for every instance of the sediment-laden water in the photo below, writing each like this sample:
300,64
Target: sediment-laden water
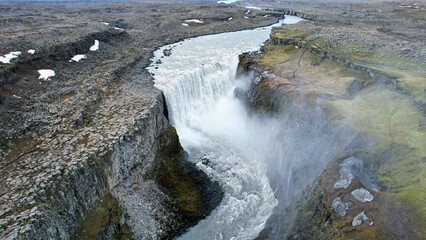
198,80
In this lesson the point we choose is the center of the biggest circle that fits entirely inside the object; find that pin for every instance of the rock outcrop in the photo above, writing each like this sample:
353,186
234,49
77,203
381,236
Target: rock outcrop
366,82
89,153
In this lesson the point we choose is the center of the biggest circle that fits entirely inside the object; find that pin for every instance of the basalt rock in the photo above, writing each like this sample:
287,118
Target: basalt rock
93,144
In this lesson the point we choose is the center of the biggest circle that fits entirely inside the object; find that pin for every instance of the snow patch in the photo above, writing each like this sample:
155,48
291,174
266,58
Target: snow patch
95,46
246,17
252,7
46,74
77,58
6,58
185,24
117,28
31,51
105,23
229,19
16,96
228,1
194,21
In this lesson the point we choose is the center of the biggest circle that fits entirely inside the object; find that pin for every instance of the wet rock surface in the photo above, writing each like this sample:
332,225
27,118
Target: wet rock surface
97,128
339,206
362,195
354,166
359,219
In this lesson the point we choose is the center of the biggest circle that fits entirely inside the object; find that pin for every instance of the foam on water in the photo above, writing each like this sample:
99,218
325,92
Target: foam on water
198,80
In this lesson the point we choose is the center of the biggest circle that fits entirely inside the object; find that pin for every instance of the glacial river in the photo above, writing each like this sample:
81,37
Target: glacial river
198,80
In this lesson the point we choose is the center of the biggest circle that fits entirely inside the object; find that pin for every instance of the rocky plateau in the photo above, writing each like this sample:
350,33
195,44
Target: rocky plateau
87,152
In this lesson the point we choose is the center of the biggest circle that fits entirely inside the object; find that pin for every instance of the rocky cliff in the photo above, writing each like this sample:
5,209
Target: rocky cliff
88,152
372,84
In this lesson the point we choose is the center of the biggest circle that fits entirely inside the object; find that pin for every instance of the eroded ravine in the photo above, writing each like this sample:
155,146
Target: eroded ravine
198,80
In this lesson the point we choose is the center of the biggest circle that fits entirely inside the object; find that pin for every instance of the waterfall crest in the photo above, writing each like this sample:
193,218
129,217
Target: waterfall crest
198,80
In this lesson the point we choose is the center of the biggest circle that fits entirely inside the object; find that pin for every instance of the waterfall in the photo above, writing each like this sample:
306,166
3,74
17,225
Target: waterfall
191,93
198,79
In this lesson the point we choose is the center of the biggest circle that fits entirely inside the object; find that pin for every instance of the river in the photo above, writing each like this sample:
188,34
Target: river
198,80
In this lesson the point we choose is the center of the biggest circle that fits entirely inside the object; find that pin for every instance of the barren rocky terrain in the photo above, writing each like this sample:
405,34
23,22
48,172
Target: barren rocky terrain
88,153
96,132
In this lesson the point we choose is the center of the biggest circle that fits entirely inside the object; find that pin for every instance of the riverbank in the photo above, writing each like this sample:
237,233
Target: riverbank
372,82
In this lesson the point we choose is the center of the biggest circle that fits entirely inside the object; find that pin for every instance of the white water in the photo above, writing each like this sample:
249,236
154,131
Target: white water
198,80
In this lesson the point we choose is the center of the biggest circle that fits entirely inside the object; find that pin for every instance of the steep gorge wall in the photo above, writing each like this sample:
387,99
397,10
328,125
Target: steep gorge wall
103,173
66,204
301,67
142,180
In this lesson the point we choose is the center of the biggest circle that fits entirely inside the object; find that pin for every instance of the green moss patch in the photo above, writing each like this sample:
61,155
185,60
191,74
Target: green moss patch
193,196
373,89
106,213
172,174
275,54
398,157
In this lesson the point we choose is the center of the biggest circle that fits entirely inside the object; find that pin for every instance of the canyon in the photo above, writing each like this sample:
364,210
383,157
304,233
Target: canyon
138,130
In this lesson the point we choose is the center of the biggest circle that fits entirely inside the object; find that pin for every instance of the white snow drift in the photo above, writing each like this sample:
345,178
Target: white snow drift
46,74
6,58
95,46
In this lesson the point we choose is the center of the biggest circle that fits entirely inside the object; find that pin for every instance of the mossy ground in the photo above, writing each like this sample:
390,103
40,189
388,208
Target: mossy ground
407,74
391,114
298,66
105,213
398,127
172,175
192,194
